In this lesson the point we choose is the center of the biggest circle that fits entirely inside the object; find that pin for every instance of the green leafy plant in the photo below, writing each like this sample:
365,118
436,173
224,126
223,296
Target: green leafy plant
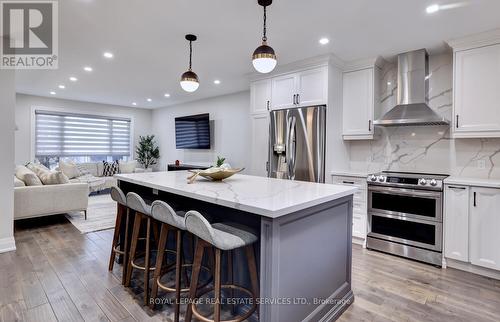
220,161
147,151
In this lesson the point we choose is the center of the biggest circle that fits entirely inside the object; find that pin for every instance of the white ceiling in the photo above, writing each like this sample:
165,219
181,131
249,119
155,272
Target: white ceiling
147,39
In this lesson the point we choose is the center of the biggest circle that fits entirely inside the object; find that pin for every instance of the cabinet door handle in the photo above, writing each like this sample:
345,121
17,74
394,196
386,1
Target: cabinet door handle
348,182
294,100
369,125
458,188
475,204
267,105
298,99
456,123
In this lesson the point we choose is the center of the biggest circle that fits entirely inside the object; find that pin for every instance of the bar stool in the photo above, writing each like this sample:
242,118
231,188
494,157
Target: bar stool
171,221
121,211
142,212
221,237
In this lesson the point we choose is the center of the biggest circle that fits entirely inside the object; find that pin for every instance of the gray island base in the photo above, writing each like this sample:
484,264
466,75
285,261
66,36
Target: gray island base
304,252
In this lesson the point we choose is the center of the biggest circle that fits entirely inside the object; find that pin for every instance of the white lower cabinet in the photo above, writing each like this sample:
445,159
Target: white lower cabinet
456,221
484,237
472,225
359,211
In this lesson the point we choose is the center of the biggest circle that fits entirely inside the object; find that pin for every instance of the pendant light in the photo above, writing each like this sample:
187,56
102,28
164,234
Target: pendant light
264,58
189,80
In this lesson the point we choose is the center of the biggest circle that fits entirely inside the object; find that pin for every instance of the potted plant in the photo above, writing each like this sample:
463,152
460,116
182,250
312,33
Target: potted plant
147,151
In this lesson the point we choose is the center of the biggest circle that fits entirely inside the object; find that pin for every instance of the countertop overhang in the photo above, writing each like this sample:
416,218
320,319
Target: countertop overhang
263,196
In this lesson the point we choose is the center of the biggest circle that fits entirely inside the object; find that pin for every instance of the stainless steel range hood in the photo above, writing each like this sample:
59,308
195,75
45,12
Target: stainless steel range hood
412,102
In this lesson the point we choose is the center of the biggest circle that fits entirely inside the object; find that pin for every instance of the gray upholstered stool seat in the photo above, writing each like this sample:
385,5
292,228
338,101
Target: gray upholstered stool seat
135,202
162,211
225,236
118,195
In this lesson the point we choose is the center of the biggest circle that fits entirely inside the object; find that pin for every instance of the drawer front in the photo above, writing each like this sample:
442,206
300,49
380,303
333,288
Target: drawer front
359,223
352,181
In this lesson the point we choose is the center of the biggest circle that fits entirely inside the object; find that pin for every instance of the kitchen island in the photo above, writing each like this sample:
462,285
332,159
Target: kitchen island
304,250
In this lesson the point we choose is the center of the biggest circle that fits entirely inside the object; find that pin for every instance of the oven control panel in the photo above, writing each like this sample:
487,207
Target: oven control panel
410,181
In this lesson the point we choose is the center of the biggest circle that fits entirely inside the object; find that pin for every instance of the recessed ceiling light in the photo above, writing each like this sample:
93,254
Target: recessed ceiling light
108,54
432,8
73,79
216,82
149,100
134,103
389,83
324,41
62,86
167,95
52,93
87,68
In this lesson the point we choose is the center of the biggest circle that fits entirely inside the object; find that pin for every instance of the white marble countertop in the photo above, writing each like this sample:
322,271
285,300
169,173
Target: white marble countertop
259,195
478,182
350,173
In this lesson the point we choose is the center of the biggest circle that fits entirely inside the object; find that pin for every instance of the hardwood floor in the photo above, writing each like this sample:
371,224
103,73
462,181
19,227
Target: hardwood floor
59,274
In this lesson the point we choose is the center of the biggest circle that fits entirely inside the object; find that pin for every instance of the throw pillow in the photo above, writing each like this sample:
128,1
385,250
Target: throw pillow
18,183
83,169
70,169
110,169
27,176
127,166
51,177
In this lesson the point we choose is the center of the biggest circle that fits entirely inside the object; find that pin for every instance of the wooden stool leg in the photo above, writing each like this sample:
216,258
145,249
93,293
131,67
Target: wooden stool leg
230,273
146,261
162,244
116,235
252,268
198,257
125,246
178,269
133,247
217,285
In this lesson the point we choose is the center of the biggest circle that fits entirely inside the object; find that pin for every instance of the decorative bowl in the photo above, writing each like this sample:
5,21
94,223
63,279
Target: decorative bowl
216,173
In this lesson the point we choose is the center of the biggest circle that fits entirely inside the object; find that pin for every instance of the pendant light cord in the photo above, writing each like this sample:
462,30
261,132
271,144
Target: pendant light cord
264,37
190,53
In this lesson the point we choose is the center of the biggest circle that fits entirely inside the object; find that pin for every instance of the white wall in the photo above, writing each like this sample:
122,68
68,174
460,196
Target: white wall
7,125
141,119
229,117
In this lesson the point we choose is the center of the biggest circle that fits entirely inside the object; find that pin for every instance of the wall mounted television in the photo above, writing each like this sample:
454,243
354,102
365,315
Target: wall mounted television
192,132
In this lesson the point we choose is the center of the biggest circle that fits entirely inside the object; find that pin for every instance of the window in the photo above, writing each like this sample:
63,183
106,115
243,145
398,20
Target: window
83,138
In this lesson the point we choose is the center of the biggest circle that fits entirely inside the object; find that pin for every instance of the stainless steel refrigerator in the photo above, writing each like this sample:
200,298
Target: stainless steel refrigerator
297,144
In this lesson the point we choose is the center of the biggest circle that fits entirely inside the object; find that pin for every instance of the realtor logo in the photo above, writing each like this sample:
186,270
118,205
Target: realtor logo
29,32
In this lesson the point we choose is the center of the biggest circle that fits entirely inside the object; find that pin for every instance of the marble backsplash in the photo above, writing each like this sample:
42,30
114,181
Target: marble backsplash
425,148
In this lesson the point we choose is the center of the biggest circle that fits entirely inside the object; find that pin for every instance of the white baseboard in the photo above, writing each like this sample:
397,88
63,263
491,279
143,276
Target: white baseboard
472,268
7,244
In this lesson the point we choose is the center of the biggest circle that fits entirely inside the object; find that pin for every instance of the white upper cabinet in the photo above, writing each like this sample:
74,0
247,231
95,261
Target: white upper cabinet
284,91
260,96
305,88
359,104
484,227
456,222
477,86
312,87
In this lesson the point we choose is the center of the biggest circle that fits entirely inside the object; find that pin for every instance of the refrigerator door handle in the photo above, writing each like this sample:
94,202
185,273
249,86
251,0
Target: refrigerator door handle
292,149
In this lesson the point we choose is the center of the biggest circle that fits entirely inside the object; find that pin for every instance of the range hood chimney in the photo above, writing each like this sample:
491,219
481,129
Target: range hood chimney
412,102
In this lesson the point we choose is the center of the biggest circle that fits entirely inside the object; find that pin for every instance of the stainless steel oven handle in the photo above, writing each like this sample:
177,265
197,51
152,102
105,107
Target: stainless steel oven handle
406,192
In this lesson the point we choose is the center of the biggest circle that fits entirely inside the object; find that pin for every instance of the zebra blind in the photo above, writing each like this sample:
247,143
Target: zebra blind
70,135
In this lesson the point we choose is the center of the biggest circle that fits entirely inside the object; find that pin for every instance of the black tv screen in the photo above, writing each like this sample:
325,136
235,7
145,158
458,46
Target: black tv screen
192,132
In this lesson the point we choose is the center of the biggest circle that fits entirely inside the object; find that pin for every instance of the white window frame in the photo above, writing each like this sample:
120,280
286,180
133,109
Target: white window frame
76,111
